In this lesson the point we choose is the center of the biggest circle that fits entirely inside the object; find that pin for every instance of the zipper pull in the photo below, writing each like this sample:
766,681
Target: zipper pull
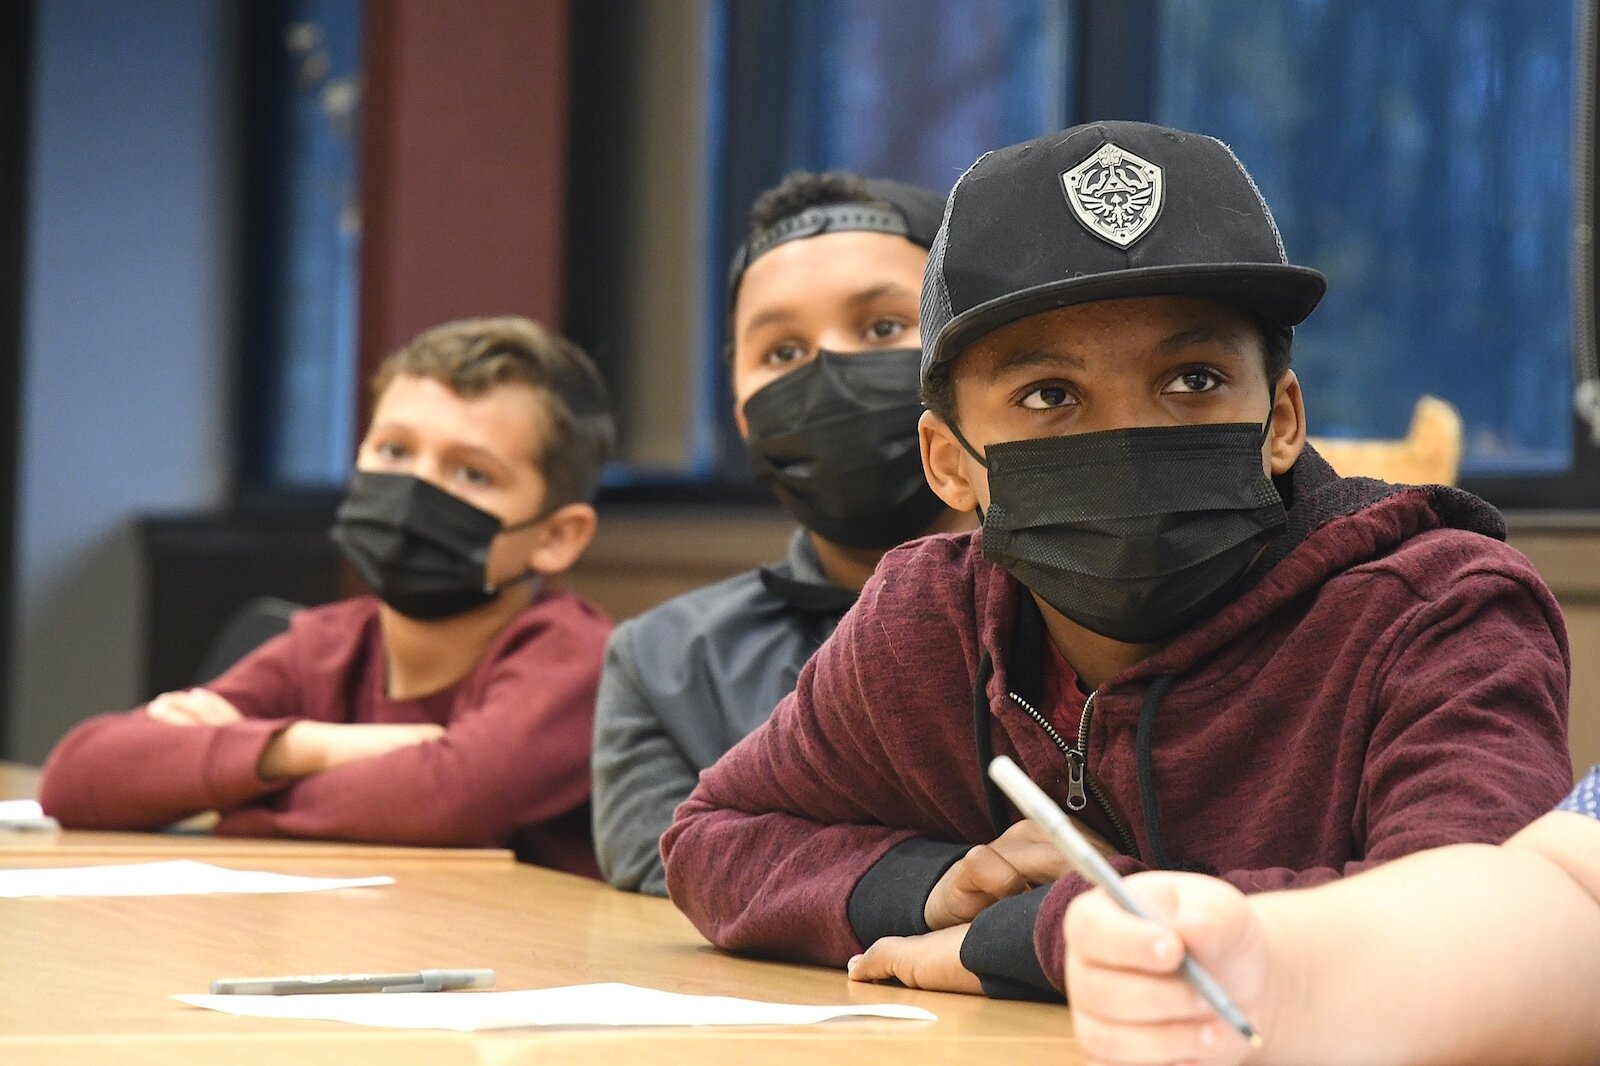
1077,796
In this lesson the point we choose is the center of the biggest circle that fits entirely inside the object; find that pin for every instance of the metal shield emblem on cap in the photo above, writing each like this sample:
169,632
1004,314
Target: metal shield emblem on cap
1115,194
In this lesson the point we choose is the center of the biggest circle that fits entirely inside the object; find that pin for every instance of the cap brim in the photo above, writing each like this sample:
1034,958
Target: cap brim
1282,294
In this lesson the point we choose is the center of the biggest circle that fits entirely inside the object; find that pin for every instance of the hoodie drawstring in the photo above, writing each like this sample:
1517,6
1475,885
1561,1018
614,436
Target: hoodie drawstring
981,724
1148,808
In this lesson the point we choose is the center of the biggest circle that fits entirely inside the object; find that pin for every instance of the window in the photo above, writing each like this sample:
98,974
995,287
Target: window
908,89
302,223
1422,156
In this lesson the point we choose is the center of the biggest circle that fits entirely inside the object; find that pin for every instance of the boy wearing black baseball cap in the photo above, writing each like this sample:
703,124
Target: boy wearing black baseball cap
1212,650
822,320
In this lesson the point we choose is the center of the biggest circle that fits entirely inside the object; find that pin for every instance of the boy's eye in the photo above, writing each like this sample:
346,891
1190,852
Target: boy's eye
884,328
390,451
478,479
784,354
1197,380
1046,397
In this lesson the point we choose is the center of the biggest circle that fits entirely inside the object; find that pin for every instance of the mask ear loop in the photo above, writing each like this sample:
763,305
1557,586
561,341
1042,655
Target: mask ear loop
970,450
1272,409
966,445
492,589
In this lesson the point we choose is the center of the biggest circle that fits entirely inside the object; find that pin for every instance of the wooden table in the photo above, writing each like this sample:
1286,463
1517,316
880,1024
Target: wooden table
68,847
86,981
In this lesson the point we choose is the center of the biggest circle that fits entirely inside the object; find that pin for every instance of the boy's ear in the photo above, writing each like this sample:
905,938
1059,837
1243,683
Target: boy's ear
563,538
943,463
1287,438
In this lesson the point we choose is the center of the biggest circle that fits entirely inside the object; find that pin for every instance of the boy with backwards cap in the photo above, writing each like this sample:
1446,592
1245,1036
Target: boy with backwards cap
454,707
822,312
1212,650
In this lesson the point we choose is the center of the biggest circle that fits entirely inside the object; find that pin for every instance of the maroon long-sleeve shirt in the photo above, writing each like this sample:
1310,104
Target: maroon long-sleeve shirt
511,770
1389,683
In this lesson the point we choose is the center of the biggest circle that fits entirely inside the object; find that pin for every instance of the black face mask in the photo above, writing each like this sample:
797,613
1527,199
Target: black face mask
422,550
836,441
1135,534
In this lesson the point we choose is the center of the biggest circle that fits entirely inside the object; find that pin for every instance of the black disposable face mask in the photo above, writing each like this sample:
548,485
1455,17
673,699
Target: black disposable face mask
1136,534
420,549
836,440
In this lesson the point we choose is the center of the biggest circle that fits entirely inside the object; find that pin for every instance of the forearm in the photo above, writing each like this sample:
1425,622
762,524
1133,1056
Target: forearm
126,771
1462,954
772,884
442,793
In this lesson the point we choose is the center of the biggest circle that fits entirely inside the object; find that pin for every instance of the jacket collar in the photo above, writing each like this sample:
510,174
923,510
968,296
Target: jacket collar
799,581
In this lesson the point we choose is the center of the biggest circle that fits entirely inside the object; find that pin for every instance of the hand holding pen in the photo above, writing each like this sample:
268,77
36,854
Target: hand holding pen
1166,1013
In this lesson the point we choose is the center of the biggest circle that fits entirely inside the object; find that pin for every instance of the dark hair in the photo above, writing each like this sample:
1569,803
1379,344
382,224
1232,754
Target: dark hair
473,355
939,394
801,189
797,191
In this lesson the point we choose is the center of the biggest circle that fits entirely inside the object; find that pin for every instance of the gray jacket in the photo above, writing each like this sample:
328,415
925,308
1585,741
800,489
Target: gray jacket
686,681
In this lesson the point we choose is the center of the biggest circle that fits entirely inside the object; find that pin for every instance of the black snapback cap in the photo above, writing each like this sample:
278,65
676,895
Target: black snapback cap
1100,212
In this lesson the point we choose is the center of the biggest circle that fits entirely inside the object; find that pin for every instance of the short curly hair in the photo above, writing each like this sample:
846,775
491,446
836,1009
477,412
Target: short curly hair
801,189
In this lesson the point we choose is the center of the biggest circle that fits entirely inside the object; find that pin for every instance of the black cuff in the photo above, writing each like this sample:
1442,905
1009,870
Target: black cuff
999,950
890,899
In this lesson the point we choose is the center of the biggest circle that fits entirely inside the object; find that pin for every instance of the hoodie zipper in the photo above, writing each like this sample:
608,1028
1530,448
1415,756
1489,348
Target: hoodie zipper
1080,784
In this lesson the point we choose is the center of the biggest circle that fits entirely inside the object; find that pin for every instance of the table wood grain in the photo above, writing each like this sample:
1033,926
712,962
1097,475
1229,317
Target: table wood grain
86,981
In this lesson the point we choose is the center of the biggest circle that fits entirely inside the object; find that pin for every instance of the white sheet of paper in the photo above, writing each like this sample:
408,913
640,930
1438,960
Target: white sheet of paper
180,877
24,814
587,1005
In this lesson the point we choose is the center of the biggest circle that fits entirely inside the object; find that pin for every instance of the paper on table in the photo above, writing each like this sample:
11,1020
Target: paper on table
24,814
180,877
589,1005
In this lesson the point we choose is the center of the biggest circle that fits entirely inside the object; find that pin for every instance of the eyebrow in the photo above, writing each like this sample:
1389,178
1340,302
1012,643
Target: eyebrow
887,288
1188,338
1034,358
456,449
474,451
766,318
855,299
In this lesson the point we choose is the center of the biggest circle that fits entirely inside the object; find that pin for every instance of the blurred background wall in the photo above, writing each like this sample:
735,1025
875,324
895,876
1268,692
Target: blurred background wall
125,363
216,216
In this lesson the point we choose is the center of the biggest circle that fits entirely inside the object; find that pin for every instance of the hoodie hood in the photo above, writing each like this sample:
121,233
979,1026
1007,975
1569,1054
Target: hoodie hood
1334,524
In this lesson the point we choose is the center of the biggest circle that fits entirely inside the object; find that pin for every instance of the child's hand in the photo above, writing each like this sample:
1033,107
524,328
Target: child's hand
194,706
1130,1002
931,961
307,748
1019,859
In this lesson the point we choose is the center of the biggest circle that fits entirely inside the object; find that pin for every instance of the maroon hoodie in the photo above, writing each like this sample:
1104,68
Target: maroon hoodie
1394,679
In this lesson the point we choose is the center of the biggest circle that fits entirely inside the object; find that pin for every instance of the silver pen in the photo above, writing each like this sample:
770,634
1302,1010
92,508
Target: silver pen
1032,801
416,981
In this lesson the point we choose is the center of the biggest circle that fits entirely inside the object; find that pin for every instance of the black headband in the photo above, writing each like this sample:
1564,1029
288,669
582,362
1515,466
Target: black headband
823,218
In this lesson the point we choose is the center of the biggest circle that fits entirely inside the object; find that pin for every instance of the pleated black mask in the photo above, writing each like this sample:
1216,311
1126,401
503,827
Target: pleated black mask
1136,534
420,549
836,440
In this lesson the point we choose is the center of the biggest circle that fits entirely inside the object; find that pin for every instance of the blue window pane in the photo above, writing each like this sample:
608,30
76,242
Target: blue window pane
311,432
914,90
918,89
1419,154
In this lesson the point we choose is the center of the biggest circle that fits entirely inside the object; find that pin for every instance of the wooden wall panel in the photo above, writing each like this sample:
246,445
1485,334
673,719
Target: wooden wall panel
464,145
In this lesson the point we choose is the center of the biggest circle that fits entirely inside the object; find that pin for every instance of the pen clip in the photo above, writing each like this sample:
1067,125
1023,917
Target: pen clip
431,981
